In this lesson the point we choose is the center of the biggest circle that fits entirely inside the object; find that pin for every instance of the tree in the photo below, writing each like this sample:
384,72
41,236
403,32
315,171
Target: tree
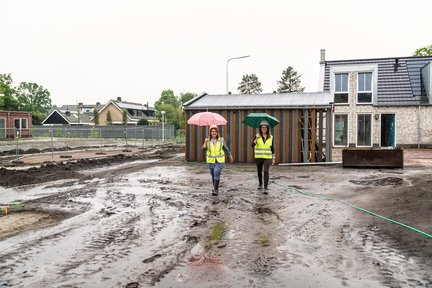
250,85
290,81
8,100
167,97
184,97
424,51
124,117
109,118
96,117
143,121
34,98
172,105
170,116
169,103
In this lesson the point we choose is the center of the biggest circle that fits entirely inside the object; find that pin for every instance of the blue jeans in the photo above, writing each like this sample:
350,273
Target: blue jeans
215,170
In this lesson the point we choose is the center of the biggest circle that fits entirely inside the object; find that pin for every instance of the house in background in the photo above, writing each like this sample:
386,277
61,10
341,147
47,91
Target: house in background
382,102
80,114
135,112
12,122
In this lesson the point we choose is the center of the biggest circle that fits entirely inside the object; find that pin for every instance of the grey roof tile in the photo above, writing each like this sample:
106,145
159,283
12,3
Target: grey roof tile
399,79
269,100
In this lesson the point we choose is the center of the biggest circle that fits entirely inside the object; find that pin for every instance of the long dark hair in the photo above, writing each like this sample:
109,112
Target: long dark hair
268,131
217,130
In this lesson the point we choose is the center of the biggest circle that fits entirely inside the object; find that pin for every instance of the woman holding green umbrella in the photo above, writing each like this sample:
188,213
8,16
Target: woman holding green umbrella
263,145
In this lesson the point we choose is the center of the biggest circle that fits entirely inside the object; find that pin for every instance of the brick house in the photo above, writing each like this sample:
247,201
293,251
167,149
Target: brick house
135,112
12,122
382,102
83,114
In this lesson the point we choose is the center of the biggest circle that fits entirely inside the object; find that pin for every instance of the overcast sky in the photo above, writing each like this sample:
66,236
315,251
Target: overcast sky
95,50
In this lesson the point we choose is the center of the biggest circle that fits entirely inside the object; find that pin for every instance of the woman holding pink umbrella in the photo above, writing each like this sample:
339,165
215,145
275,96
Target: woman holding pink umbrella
216,149
214,145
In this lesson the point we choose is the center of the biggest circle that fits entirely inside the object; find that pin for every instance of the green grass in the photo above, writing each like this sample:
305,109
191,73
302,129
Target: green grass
217,232
263,239
12,207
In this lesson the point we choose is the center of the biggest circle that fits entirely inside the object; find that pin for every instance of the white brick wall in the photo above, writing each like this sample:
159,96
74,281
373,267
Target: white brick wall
409,132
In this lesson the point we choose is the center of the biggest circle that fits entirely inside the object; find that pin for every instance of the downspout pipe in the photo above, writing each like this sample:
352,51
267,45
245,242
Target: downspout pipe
418,127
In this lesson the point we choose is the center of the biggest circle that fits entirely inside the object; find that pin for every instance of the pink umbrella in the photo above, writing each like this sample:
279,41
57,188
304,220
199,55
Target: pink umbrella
207,119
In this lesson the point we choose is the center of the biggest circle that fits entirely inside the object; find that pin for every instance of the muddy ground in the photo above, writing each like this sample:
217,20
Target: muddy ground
147,218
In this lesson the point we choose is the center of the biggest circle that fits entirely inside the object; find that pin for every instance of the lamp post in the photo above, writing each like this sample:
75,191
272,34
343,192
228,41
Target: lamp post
163,126
240,57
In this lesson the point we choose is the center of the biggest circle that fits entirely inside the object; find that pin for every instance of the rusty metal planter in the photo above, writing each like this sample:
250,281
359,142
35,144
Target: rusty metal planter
373,158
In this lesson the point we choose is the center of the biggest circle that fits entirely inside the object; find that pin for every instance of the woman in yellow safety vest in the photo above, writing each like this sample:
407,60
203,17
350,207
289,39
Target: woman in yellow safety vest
264,154
215,148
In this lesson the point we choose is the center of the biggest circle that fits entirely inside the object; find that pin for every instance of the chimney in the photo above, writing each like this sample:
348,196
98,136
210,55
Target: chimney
118,98
322,71
396,65
322,55
67,112
80,104
97,104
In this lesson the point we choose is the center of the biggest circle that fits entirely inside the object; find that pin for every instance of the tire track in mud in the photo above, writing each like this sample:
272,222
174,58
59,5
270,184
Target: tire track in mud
239,209
21,256
395,265
175,213
142,227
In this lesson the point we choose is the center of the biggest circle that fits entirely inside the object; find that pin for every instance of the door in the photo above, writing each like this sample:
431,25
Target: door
2,128
388,130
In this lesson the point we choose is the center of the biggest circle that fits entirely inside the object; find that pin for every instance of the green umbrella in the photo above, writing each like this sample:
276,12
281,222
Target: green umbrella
254,120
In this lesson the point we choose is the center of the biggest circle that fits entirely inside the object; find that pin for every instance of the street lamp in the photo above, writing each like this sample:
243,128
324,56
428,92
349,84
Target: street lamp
240,57
163,126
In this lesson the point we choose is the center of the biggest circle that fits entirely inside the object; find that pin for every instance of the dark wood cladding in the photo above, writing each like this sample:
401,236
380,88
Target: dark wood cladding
372,158
300,136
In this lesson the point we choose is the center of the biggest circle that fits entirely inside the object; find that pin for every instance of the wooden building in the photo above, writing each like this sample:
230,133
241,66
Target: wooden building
300,136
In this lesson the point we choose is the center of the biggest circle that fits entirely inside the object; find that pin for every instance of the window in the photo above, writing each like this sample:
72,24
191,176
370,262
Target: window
364,130
340,130
341,88
364,88
20,123
2,128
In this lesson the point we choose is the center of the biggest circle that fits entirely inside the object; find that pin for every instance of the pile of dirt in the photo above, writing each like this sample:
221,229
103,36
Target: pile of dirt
48,172
68,170
49,149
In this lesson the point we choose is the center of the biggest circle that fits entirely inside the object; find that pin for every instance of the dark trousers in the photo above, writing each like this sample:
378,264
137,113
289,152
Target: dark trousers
263,163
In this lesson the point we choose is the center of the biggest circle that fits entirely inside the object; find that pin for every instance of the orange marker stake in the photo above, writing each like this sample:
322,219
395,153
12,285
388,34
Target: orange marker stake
6,210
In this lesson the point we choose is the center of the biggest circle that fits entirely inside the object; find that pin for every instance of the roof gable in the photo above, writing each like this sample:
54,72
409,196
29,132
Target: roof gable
55,117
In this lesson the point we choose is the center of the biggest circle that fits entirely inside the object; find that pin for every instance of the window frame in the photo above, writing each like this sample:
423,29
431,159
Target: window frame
365,91
3,130
342,92
371,129
21,120
347,129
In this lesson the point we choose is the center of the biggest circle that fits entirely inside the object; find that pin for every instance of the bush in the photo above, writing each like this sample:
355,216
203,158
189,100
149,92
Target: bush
94,133
143,121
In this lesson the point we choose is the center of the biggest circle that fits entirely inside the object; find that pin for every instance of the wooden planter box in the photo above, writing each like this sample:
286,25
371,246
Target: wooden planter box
369,157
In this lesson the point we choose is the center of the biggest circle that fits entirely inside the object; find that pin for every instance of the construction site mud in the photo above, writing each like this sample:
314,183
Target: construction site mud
146,217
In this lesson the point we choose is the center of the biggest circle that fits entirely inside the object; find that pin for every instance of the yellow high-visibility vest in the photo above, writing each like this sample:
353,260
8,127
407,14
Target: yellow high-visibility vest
263,150
215,152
